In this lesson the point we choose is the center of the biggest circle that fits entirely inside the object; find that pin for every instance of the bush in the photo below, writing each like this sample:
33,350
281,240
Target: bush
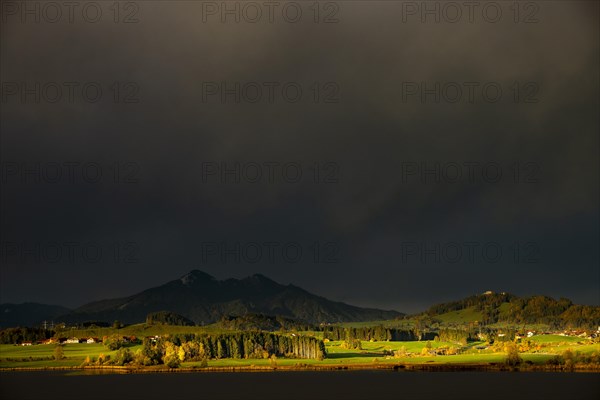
556,360
139,358
400,352
113,342
86,362
58,353
452,351
103,359
512,354
191,351
123,357
172,361
171,357
273,360
351,344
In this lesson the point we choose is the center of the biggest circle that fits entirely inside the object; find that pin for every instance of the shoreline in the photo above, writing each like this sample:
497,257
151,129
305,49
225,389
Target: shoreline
324,368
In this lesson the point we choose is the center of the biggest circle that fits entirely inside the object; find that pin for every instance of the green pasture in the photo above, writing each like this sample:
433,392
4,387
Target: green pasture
556,339
38,356
74,353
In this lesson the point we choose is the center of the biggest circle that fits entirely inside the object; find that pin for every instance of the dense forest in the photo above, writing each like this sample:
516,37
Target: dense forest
195,347
375,333
168,318
480,302
558,314
20,335
264,323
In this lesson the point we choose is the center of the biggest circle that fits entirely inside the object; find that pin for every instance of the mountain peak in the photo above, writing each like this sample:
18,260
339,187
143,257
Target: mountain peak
200,297
194,276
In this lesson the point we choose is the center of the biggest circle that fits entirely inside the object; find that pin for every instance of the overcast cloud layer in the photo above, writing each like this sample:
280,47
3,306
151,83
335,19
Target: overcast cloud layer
360,219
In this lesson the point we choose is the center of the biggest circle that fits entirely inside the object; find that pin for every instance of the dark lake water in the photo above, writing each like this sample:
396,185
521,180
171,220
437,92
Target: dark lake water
347,385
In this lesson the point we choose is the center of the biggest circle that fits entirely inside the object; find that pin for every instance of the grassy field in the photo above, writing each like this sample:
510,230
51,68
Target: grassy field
38,356
74,354
461,316
556,339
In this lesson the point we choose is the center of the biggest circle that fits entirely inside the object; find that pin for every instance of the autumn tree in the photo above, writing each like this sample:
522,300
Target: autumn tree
512,354
58,352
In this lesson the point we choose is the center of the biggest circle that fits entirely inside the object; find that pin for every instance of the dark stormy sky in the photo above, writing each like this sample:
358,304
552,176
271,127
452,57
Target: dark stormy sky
106,194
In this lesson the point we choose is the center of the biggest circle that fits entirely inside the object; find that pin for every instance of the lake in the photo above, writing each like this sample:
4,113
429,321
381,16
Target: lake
346,385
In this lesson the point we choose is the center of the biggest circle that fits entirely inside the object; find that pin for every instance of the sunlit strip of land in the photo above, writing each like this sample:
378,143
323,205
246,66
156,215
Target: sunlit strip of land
540,350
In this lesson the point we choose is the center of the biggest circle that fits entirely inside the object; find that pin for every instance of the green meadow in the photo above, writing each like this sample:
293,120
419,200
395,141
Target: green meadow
40,356
12,356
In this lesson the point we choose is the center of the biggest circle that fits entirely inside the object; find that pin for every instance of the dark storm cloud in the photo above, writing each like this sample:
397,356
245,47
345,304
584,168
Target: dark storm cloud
371,135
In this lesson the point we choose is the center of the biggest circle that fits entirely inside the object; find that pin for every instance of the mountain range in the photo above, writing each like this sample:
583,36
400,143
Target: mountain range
203,299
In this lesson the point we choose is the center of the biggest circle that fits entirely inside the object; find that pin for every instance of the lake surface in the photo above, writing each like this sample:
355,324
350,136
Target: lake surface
346,385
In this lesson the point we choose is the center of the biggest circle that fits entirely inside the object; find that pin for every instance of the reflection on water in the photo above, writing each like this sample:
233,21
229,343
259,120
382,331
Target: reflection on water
346,385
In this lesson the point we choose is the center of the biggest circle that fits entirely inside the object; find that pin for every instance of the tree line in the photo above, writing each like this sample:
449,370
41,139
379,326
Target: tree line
375,333
558,314
20,335
264,323
197,347
168,318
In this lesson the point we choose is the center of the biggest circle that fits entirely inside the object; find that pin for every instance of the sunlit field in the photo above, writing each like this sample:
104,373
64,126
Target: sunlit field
39,356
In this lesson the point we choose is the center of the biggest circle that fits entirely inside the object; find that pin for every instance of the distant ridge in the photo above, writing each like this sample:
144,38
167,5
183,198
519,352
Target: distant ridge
204,299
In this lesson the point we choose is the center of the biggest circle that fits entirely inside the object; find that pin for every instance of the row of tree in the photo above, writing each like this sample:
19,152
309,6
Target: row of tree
375,333
168,318
20,335
455,335
261,322
195,347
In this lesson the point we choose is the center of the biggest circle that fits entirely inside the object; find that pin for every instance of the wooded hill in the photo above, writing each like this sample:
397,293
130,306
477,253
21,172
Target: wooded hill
489,308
